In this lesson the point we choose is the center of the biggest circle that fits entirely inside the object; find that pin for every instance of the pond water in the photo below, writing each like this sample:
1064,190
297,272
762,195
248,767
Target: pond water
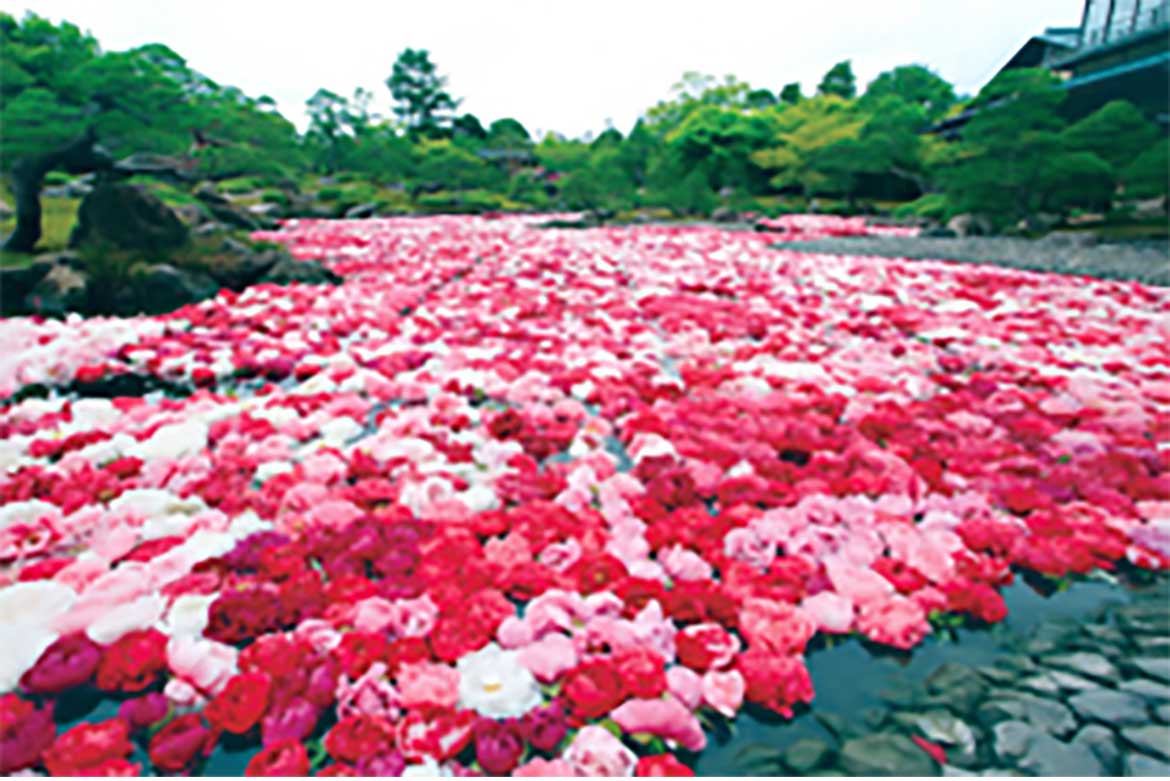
850,677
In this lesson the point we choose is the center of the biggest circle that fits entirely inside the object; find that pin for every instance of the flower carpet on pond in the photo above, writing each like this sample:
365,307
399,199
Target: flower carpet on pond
544,502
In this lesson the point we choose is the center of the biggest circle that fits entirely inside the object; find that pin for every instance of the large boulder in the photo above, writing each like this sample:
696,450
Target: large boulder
17,282
885,754
128,217
289,270
223,210
162,288
363,211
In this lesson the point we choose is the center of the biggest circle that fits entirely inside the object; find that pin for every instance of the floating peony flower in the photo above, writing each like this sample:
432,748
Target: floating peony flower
495,684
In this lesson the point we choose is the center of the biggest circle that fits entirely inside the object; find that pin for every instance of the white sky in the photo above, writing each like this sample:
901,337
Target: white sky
561,66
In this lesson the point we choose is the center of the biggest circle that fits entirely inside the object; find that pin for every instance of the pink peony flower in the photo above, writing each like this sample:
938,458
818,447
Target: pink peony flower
685,685
831,612
723,691
666,718
423,684
544,768
896,621
550,656
596,752
206,665
370,695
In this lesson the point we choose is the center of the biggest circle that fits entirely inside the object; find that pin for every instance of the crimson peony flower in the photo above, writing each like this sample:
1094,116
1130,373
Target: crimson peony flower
593,689
545,727
69,662
25,732
180,744
284,758
662,765
134,662
240,704
87,747
498,745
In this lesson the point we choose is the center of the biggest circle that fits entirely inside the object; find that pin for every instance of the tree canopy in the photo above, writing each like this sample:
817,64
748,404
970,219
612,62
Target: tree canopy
421,100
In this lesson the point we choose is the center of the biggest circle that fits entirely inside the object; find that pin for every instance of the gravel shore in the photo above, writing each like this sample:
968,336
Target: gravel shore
1147,262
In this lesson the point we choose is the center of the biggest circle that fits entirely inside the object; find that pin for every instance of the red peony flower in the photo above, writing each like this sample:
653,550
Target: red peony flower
286,758
934,750
69,662
777,682
593,689
355,737
180,744
240,704
440,734
358,650
25,732
662,765
642,670
133,662
704,647
86,747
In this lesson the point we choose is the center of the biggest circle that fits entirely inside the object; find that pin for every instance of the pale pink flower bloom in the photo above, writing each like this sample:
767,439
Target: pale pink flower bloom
559,556
423,683
371,695
414,617
723,691
831,611
205,664
373,614
745,545
596,752
684,564
667,718
855,584
896,621
685,685
549,657
544,768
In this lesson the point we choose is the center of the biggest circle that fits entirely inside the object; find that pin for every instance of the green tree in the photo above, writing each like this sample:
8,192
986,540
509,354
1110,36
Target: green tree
790,93
1013,159
807,137
696,90
915,84
508,133
330,129
839,81
421,99
1147,176
720,141
1116,133
443,165
602,183
468,127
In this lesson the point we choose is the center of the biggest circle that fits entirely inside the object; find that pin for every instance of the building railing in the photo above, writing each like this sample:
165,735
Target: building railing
1116,30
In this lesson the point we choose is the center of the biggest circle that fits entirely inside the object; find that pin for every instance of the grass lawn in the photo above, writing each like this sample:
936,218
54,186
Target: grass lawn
58,216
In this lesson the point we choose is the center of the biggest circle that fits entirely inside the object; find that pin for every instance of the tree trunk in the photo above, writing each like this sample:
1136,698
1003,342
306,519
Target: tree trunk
81,155
27,178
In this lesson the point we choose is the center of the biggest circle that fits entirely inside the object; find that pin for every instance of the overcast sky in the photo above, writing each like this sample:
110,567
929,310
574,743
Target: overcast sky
562,66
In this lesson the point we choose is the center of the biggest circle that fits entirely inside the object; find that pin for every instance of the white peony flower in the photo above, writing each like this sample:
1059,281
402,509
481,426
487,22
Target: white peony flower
26,613
123,619
22,647
188,615
493,683
173,442
35,602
